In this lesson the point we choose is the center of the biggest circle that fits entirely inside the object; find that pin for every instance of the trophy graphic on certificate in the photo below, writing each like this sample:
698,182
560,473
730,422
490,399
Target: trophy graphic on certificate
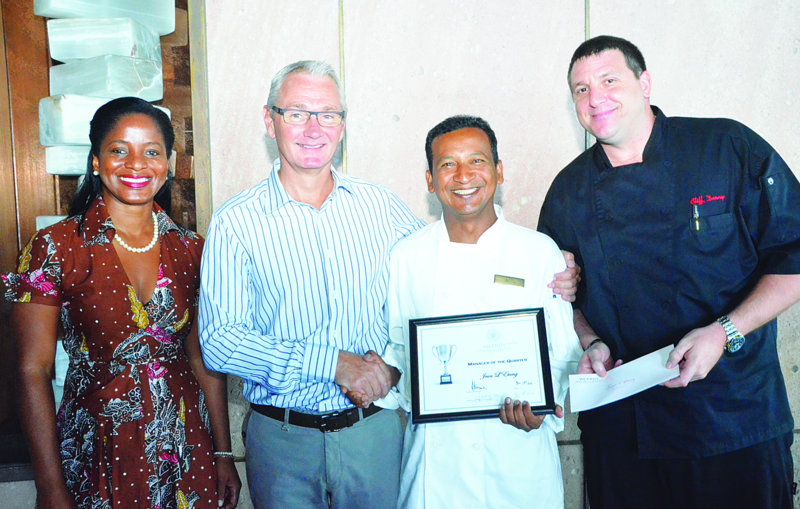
444,353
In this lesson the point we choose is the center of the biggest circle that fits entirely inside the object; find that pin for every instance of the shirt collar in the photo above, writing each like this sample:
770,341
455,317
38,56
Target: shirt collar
653,142
491,233
655,135
494,231
340,181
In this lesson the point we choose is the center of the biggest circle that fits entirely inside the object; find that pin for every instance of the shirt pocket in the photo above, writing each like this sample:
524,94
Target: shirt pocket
715,233
721,249
715,226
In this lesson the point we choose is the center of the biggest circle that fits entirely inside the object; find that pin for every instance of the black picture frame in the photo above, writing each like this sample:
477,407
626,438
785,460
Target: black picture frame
498,347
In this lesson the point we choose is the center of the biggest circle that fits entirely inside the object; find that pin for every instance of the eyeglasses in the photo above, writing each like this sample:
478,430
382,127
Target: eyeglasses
294,116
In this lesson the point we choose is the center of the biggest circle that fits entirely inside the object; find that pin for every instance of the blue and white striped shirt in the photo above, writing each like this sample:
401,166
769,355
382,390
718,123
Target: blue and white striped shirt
285,286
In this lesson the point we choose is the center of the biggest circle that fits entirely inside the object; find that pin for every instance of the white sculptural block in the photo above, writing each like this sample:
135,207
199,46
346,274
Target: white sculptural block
156,14
66,159
74,39
109,76
64,119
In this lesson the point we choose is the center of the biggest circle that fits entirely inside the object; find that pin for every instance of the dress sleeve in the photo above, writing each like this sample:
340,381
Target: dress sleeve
38,275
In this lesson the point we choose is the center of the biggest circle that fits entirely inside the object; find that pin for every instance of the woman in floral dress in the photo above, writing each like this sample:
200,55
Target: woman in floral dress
142,423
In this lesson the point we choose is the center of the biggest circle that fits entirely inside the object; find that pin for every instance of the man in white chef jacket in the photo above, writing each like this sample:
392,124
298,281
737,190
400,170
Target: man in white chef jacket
449,268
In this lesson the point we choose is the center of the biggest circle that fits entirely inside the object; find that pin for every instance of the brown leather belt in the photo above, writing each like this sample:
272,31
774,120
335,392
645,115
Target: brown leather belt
326,423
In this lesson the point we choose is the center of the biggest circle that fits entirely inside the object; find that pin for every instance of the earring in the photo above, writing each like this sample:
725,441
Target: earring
95,173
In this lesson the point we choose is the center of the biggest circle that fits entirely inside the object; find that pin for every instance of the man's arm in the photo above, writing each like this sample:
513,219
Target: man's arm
699,351
596,356
229,338
231,343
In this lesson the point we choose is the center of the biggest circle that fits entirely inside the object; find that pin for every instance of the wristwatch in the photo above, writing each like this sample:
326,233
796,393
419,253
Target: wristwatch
735,338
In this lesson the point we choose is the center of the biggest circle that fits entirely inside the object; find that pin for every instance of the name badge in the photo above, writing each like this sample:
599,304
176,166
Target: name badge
509,280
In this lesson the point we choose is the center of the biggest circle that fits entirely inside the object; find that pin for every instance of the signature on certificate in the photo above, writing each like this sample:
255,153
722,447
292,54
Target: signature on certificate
499,374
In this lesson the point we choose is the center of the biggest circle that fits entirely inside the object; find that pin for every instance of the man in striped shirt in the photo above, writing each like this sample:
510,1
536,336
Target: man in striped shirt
294,280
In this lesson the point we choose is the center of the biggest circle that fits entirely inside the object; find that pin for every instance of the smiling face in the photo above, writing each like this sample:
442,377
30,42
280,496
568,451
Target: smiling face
464,177
309,146
132,161
610,101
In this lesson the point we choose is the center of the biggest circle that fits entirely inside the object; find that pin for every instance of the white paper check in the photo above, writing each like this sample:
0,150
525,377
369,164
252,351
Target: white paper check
590,391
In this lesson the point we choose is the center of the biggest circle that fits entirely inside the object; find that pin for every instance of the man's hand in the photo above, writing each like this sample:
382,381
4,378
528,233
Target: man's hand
697,354
374,382
597,359
518,414
565,283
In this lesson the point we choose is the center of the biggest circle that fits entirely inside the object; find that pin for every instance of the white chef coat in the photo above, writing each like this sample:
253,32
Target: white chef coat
478,463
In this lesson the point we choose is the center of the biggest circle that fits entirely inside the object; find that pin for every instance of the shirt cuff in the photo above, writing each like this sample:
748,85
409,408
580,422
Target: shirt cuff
319,363
391,401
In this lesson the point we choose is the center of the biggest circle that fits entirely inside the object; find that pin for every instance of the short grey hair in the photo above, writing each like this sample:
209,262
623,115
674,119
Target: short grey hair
316,68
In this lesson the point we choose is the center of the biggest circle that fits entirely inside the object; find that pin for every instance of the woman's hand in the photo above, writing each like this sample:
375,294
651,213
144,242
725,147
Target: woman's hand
228,483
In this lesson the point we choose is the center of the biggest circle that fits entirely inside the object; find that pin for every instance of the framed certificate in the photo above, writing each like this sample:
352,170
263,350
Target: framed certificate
464,366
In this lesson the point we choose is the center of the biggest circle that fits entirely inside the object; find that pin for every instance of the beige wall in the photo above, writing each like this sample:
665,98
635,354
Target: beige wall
409,64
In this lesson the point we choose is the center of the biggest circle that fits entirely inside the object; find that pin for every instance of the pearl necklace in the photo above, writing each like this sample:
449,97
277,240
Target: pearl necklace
148,247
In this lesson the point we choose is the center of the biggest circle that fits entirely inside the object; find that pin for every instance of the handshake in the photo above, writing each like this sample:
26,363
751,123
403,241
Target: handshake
363,379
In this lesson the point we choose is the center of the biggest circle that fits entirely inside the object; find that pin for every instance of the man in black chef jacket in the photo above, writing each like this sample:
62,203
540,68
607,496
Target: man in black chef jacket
688,232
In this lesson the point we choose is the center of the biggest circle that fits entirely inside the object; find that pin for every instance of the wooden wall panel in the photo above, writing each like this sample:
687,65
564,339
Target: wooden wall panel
8,209
28,63
8,234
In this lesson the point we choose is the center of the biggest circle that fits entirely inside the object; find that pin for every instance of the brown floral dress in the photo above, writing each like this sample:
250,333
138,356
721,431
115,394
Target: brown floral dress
133,424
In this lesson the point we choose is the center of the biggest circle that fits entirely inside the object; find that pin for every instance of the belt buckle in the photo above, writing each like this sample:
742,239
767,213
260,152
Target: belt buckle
324,423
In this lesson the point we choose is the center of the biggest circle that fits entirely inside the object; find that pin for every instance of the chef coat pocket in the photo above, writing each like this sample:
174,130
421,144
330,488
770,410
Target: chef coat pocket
720,253
715,232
